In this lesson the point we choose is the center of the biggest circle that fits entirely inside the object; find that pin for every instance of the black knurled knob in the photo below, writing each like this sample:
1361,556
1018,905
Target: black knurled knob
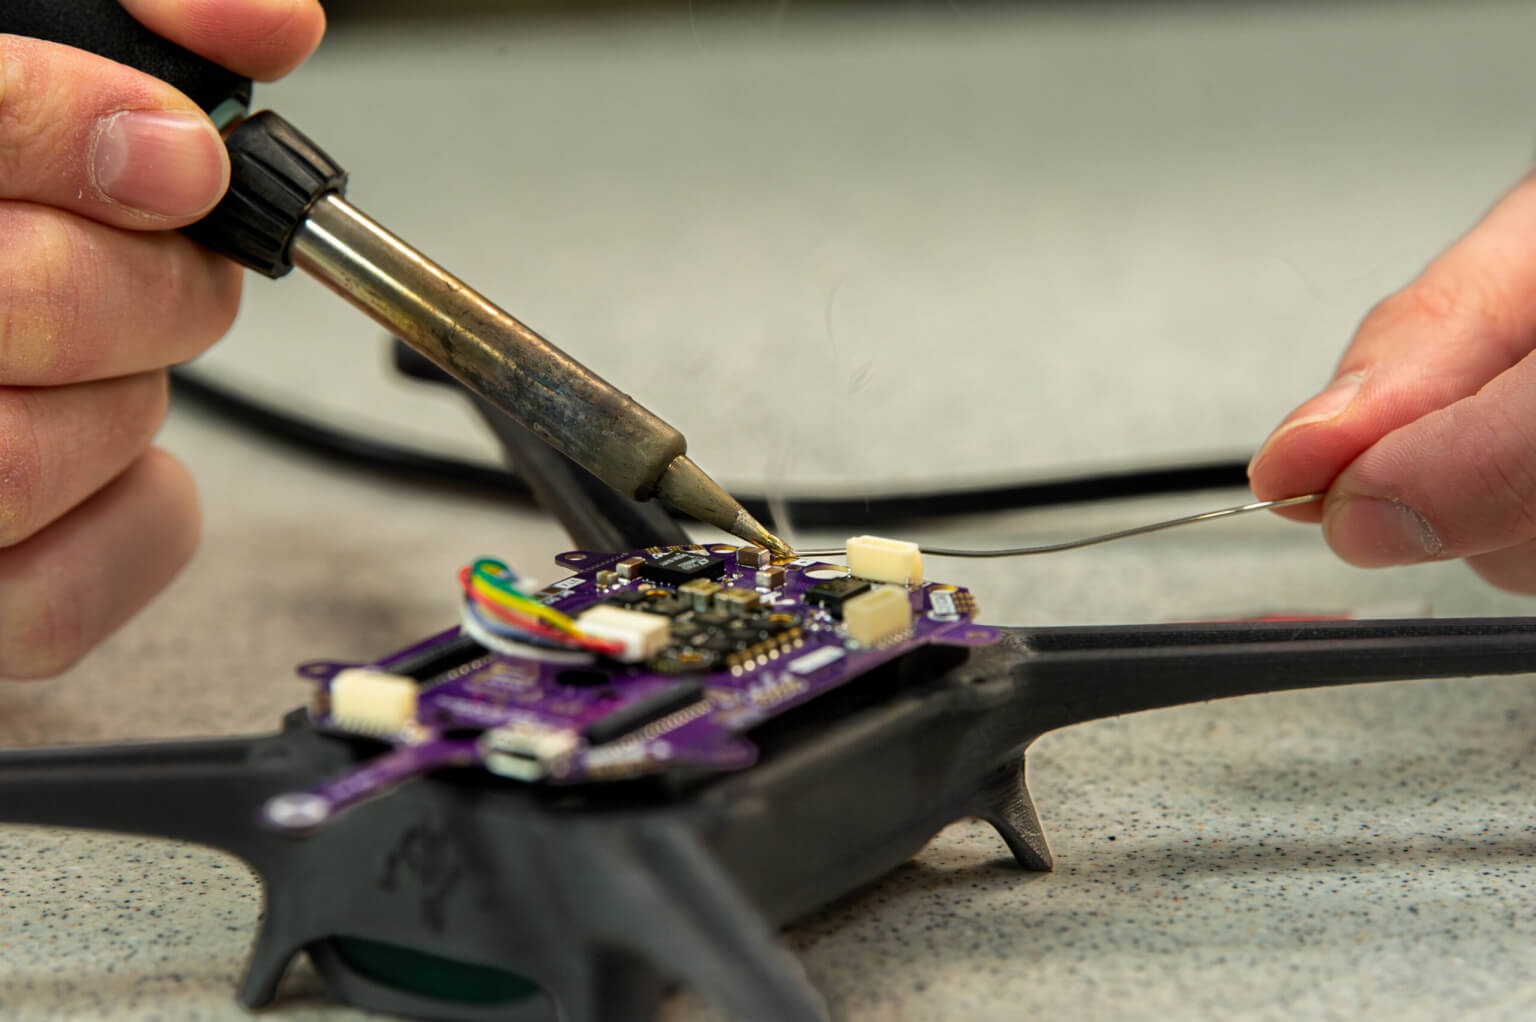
276,175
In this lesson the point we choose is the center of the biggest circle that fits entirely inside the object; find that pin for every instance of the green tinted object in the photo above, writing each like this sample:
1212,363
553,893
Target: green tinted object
434,976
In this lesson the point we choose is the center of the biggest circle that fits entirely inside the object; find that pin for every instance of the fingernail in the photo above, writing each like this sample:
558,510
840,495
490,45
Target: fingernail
158,161
1376,533
1330,404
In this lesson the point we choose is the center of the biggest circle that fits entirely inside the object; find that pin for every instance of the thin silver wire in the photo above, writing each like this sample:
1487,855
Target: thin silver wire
1075,544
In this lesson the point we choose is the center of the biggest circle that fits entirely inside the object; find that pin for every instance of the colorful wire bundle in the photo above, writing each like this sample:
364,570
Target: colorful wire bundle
495,607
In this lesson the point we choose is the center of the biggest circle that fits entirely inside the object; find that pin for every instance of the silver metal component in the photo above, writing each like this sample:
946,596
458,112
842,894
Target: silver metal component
1074,544
563,402
580,414
685,486
525,750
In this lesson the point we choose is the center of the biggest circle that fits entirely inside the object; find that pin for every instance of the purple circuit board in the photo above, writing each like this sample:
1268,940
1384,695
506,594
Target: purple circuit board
748,642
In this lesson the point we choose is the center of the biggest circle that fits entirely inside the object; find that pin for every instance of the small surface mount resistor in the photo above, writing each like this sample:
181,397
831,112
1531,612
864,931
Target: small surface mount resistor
629,567
771,577
753,557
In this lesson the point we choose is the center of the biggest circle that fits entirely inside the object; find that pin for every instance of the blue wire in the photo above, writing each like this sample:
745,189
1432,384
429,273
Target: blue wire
506,631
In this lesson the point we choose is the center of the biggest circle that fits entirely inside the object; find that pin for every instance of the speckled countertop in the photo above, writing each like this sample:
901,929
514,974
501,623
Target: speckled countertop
920,246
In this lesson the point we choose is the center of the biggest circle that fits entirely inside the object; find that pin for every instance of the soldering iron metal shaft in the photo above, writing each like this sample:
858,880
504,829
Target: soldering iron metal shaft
593,423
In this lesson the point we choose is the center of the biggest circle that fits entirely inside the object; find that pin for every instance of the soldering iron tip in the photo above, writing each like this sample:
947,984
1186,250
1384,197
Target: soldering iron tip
750,529
685,486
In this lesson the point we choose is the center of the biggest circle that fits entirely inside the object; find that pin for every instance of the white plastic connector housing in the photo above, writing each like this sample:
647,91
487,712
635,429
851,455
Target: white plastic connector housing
642,634
526,751
875,616
885,560
368,700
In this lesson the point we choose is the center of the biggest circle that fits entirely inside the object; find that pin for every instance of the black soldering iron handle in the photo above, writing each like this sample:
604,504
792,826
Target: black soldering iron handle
276,173
105,28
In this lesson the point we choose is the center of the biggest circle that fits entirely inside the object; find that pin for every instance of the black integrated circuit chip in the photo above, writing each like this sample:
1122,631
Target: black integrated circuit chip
835,592
678,566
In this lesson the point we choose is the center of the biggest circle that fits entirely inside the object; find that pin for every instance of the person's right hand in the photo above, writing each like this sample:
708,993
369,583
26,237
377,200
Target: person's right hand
97,296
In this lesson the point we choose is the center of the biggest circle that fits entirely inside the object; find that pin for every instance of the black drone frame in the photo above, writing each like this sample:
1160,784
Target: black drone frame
601,899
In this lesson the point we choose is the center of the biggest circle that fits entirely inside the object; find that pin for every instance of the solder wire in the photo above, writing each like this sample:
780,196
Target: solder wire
1075,544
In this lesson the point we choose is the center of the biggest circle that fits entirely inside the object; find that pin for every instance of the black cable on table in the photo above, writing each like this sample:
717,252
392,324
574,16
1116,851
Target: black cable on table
322,440
317,438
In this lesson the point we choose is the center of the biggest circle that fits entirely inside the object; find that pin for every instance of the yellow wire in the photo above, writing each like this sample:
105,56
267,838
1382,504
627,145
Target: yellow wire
523,605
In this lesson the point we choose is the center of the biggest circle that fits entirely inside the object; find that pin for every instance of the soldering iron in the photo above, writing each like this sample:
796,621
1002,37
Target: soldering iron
285,207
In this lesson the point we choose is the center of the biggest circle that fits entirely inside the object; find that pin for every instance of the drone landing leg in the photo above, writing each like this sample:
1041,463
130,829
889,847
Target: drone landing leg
1003,800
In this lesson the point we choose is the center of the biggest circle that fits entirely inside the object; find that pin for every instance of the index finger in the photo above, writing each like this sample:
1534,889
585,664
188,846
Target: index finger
1466,319
262,39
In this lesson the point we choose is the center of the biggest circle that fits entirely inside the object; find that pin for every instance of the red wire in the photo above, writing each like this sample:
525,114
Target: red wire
533,625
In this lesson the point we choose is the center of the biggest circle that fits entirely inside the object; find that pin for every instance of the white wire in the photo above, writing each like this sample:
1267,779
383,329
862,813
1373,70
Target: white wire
471,626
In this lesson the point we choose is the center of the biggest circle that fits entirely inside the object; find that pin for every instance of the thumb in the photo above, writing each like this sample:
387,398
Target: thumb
1469,317
1458,482
85,134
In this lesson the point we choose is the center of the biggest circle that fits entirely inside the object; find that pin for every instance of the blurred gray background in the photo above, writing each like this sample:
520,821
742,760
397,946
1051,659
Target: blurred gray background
866,247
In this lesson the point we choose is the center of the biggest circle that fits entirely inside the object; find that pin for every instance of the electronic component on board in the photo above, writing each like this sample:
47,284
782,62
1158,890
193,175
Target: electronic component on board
885,560
674,567
624,678
641,634
753,557
875,616
662,601
835,592
644,710
700,591
771,577
525,750
816,660
363,699
738,602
